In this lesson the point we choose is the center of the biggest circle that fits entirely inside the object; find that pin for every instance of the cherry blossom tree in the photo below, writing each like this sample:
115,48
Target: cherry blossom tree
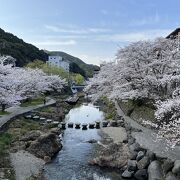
145,70
17,84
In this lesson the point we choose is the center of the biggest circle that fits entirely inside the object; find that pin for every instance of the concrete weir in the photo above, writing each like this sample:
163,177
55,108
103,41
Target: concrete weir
85,126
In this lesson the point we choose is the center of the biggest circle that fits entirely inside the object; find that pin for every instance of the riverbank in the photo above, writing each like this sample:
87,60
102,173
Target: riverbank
131,156
32,142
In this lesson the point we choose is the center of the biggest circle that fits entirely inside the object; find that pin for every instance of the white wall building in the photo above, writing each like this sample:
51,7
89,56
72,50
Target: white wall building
58,61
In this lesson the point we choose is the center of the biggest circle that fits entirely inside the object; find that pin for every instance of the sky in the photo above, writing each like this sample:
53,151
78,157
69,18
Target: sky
92,30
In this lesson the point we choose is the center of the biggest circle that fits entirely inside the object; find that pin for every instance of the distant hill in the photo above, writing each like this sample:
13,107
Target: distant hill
25,53
17,48
87,69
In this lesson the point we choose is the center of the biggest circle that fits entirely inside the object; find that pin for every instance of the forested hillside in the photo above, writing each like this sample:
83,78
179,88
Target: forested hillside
22,51
25,53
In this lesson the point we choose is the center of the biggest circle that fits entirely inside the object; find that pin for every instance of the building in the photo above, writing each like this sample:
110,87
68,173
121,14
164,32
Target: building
58,62
5,60
174,34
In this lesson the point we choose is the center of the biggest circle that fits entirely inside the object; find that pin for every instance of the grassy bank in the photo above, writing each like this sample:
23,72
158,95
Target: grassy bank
5,165
108,107
138,110
32,102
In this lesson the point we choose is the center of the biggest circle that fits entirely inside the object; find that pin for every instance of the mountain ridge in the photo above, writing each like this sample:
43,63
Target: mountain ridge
25,52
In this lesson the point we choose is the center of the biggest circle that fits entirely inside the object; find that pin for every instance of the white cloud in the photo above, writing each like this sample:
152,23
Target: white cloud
55,43
76,30
94,59
134,36
146,20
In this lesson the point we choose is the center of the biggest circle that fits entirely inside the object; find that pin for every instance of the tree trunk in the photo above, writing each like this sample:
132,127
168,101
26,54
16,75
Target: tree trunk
3,107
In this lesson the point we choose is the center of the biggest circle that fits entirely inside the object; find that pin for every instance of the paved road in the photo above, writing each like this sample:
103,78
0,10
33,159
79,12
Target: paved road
17,110
147,139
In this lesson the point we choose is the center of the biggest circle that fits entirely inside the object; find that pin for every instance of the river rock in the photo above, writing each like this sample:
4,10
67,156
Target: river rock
132,165
167,165
140,155
31,136
120,123
92,141
127,174
131,140
45,145
141,174
176,168
135,147
133,155
47,159
113,156
113,123
155,171
170,176
151,155
143,163
55,131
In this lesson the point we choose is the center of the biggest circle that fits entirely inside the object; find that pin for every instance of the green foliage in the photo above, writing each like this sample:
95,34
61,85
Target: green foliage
4,113
79,79
21,126
36,64
109,108
47,110
74,68
26,53
47,68
55,71
33,102
77,65
17,48
5,141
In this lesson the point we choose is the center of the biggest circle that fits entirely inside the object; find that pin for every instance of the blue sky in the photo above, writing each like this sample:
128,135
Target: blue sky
92,30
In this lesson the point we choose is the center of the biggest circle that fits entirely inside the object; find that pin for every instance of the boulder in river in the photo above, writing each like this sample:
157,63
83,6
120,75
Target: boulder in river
31,136
45,145
141,174
113,156
155,171
127,174
170,176
143,163
176,168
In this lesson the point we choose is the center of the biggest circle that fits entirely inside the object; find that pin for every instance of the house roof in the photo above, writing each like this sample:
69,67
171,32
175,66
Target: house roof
175,32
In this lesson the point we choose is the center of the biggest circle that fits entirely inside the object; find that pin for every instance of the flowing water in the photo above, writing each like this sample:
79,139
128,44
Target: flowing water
71,163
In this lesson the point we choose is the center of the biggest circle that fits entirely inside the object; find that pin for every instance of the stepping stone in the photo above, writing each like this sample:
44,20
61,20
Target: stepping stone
97,124
42,119
104,123
84,126
63,125
77,125
91,125
49,121
55,122
70,125
28,117
36,117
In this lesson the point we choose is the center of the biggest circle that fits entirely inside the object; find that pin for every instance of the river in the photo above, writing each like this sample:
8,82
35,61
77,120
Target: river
71,163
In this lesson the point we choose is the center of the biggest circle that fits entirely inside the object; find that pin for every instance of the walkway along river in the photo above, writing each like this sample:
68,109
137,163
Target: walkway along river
72,161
